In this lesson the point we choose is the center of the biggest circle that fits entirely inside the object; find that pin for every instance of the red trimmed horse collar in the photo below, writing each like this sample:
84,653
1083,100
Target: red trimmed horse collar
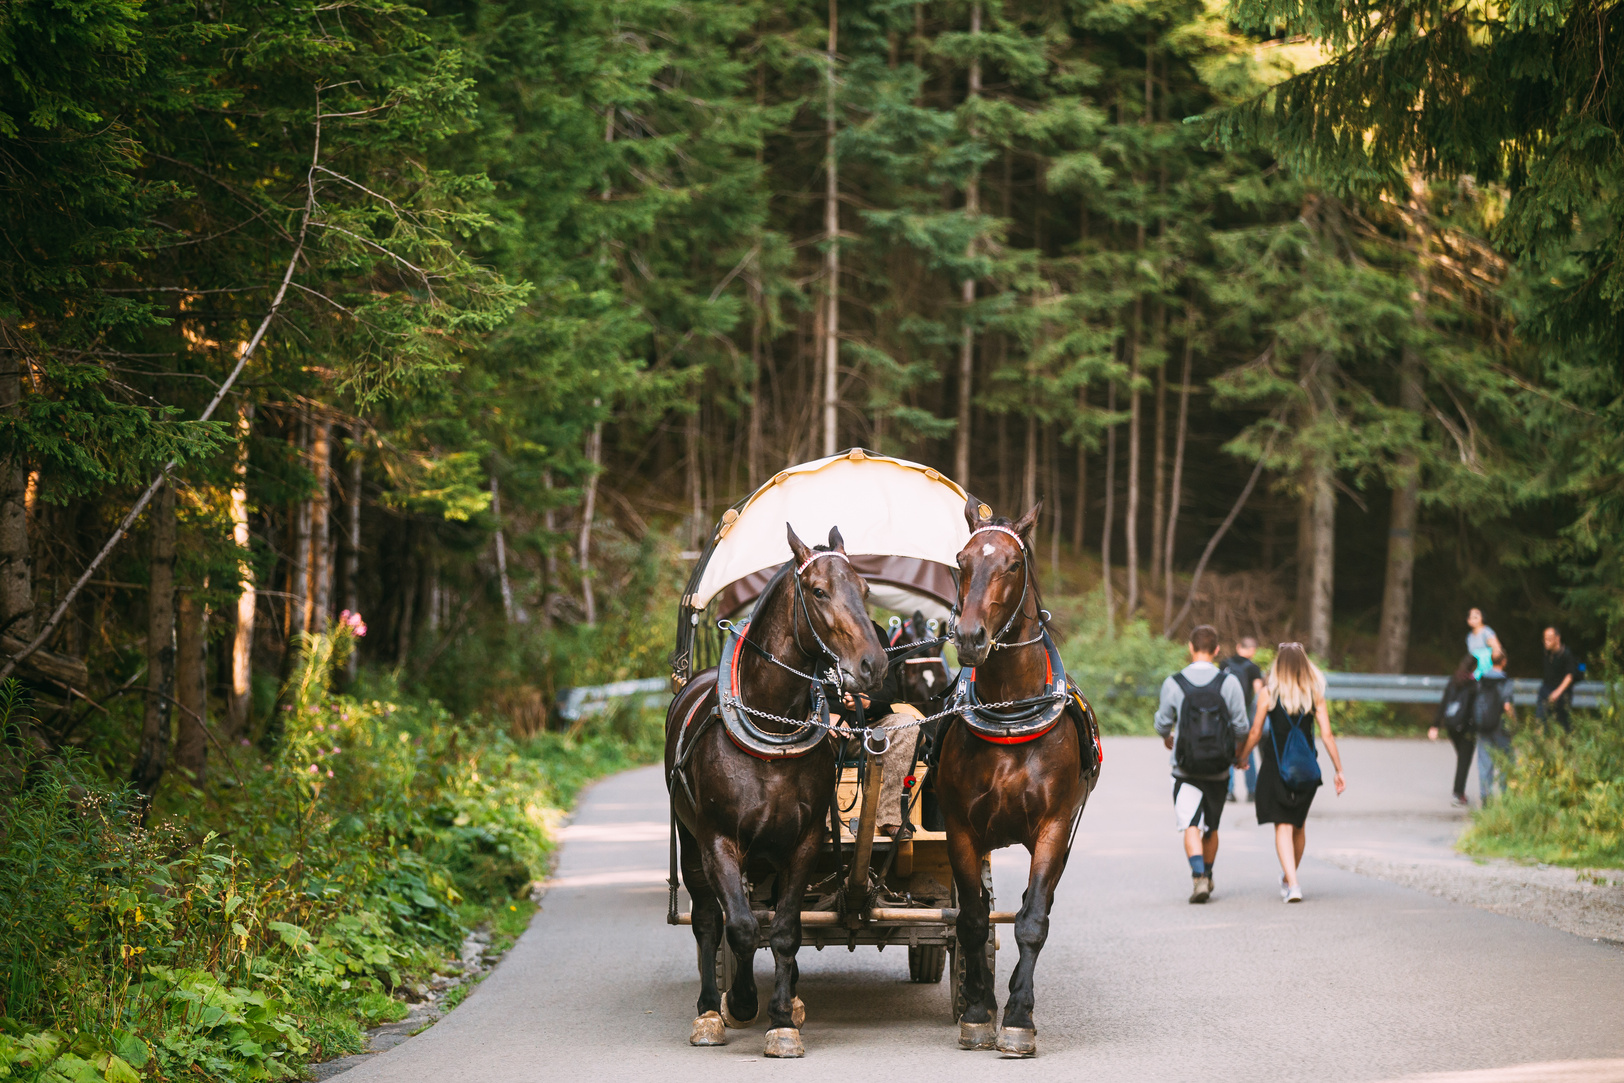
1020,720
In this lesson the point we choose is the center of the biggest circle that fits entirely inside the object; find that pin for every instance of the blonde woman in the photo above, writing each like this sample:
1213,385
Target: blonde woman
1293,699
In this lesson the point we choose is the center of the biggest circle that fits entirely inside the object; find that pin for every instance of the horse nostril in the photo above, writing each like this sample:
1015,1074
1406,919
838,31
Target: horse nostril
866,668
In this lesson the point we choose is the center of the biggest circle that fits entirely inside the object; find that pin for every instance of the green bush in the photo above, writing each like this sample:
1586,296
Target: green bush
1121,674
260,924
1564,799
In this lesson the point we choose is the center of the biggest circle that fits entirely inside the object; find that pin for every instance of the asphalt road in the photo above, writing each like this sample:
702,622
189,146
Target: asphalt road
1363,981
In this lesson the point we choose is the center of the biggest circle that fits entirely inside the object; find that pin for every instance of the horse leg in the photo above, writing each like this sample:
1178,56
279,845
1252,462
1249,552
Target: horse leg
707,1029
725,869
785,1012
976,1027
1018,1037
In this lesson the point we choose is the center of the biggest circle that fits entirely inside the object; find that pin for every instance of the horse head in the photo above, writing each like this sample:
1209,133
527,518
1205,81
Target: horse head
993,579
833,598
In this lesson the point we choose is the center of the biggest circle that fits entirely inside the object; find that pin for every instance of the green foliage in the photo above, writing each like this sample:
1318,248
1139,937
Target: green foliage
359,853
1121,674
1564,801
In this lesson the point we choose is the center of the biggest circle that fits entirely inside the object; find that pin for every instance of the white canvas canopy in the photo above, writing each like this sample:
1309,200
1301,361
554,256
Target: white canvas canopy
902,522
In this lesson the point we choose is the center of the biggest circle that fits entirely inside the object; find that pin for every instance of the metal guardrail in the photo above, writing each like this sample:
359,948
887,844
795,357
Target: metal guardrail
576,703
1406,688
655,692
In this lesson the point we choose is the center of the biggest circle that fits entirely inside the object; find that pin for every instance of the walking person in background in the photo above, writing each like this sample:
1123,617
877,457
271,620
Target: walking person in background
1201,717
1481,642
1456,718
1491,710
1556,683
1251,678
1292,702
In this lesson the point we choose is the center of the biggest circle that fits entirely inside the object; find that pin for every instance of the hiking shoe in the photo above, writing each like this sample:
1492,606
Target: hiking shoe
1202,889
1294,895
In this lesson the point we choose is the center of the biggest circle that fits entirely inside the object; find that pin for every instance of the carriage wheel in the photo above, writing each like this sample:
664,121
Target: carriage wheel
926,962
727,965
956,979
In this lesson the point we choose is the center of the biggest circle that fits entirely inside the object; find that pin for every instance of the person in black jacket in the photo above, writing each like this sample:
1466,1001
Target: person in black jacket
1456,718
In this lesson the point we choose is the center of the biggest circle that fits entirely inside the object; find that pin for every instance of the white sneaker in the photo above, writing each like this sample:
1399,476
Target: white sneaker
1285,889
1295,895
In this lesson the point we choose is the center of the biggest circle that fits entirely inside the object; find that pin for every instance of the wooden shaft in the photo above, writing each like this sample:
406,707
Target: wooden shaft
857,883
882,915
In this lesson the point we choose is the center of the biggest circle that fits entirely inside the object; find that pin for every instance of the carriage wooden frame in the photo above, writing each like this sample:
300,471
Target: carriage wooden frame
903,529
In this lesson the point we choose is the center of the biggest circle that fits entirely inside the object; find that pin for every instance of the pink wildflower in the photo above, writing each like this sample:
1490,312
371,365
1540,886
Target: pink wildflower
329,772
357,626
314,768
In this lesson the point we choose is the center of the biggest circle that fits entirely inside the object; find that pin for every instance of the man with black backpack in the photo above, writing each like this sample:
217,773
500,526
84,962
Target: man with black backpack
1202,718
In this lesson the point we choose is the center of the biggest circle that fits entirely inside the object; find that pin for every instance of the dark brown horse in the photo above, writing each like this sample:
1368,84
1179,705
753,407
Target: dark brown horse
1017,765
751,789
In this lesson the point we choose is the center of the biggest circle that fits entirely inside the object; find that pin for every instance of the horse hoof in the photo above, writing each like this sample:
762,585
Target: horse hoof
977,1035
797,1013
708,1030
1018,1041
785,1042
733,1021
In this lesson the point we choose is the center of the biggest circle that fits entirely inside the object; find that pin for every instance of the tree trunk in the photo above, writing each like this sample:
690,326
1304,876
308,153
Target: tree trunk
967,289
1305,552
16,555
1176,493
191,686
1324,541
501,552
594,458
153,755
1393,644
1110,507
1052,442
1004,493
1158,493
352,544
1081,502
1029,470
242,640
831,255
299,573
549,523
753,456
1131,523
408,599
321,527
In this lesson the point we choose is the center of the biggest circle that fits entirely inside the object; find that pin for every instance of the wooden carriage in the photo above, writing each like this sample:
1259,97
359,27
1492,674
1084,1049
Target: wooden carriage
903,525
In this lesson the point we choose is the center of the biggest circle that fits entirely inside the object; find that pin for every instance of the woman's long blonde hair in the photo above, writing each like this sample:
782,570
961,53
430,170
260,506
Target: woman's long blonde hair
1295,682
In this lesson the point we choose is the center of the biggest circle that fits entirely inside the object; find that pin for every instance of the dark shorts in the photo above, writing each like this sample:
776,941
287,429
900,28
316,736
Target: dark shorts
1199,802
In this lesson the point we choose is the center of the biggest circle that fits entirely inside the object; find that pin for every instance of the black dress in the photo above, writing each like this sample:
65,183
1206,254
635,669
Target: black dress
1275,803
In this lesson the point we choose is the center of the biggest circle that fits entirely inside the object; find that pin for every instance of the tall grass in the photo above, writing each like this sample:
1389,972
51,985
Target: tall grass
1564,800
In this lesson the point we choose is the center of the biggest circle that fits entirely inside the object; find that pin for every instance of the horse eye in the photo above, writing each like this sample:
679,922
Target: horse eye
817,592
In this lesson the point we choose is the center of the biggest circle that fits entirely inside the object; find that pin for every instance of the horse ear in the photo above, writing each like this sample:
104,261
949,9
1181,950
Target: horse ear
917,622
798,547
976,513
1028,521
836,542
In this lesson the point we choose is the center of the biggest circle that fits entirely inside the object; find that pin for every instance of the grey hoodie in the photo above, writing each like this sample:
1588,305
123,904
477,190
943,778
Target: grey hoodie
1200,674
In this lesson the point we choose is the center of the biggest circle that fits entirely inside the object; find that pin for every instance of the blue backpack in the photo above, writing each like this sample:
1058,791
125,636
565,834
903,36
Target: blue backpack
1299,766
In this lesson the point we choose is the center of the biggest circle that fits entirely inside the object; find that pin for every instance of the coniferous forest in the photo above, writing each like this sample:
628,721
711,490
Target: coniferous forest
442,330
